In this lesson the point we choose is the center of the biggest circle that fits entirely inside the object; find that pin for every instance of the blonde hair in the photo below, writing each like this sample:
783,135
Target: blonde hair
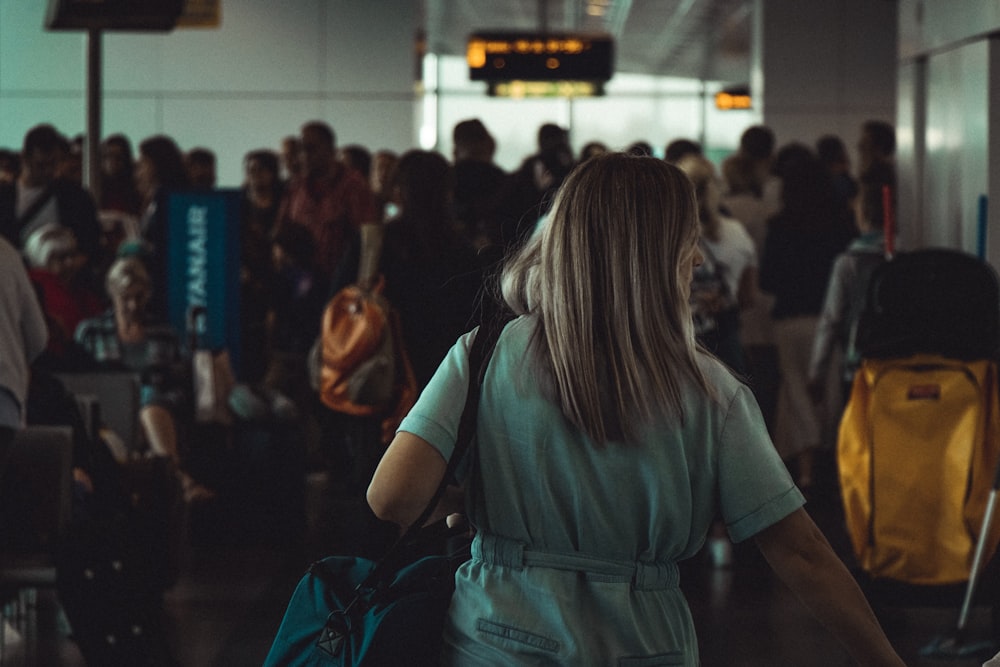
124,273
604,276
706,190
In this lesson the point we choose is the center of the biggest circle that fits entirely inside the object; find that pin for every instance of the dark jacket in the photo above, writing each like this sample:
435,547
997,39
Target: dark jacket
796,262
434,290
77,211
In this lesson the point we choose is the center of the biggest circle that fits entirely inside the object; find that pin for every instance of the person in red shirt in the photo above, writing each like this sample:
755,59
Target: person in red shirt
54,262
330,200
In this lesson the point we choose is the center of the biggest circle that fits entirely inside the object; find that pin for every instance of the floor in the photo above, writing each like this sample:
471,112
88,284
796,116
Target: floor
230,598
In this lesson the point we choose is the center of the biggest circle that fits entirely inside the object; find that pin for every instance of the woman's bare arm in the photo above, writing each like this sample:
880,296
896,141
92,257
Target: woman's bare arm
406,479
803,559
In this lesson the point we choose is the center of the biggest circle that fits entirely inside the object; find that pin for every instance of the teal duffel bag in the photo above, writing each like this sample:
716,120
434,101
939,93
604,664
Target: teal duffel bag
354,611
340,615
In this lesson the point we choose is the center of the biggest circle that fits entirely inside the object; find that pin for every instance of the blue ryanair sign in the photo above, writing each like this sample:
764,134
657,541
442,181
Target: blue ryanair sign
204,266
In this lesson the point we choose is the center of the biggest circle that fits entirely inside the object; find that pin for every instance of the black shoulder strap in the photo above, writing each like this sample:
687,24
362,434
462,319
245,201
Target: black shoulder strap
36,206
480,354
479,358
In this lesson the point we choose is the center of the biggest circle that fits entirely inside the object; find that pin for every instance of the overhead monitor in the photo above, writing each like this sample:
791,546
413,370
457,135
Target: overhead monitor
520,56
737,97
128,15
522,89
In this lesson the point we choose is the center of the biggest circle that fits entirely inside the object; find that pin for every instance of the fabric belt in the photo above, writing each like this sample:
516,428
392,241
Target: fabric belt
497,550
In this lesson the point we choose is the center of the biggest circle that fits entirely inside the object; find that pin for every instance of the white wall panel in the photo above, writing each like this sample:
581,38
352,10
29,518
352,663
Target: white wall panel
269,67
929,25
827,67
260,46
134,63
32,59
371,45
956,165
910,154
802,41
375,123
232,127
19,114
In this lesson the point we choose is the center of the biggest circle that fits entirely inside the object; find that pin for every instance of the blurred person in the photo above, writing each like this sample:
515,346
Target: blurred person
803,239
847,290
330,201
730,264
118,188
39,198
432,275
291,158
261,195
592,148
530,189
742,197
54,262
876,144
71,162
120,203
23,337
159,171
679,148
432,280
568,413
295,307
641,148
199,163
479,183
833,154
124,338
358,158
10,166
383,166
552,137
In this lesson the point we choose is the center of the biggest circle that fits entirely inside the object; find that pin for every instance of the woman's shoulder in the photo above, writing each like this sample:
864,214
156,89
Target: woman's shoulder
719,377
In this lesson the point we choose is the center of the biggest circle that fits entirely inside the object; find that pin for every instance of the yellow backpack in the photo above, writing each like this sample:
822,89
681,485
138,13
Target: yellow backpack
917,453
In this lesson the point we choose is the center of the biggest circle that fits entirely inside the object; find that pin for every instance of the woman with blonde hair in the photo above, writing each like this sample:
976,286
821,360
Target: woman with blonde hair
726,282
606,443
123,338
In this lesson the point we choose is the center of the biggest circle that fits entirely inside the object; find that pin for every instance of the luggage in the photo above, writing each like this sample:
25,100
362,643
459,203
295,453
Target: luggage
935,301
110,594
113,567
356,611
919,441
359,363
917,451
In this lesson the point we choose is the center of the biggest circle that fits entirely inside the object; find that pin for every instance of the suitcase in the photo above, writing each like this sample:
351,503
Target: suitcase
110,589
919,441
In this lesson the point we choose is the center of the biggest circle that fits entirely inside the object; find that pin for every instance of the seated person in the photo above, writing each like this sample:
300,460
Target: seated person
54,262
96,479
121,337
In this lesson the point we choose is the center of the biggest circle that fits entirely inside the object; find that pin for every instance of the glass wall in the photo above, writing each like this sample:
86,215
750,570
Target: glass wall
634,108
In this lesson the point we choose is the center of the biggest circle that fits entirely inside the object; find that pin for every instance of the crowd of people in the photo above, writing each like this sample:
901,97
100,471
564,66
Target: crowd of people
769,277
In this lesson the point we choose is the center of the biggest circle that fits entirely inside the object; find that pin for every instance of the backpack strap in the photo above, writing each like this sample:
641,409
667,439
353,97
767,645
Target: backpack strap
372,235
36,206
480,354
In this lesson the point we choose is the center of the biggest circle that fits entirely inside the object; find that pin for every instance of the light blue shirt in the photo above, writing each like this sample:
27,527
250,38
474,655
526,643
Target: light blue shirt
542,488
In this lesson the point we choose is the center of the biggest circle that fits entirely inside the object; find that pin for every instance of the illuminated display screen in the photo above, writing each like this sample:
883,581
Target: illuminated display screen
519,89
725,101
539,57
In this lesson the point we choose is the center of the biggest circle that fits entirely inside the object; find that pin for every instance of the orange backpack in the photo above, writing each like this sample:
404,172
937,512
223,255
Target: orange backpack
364,369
